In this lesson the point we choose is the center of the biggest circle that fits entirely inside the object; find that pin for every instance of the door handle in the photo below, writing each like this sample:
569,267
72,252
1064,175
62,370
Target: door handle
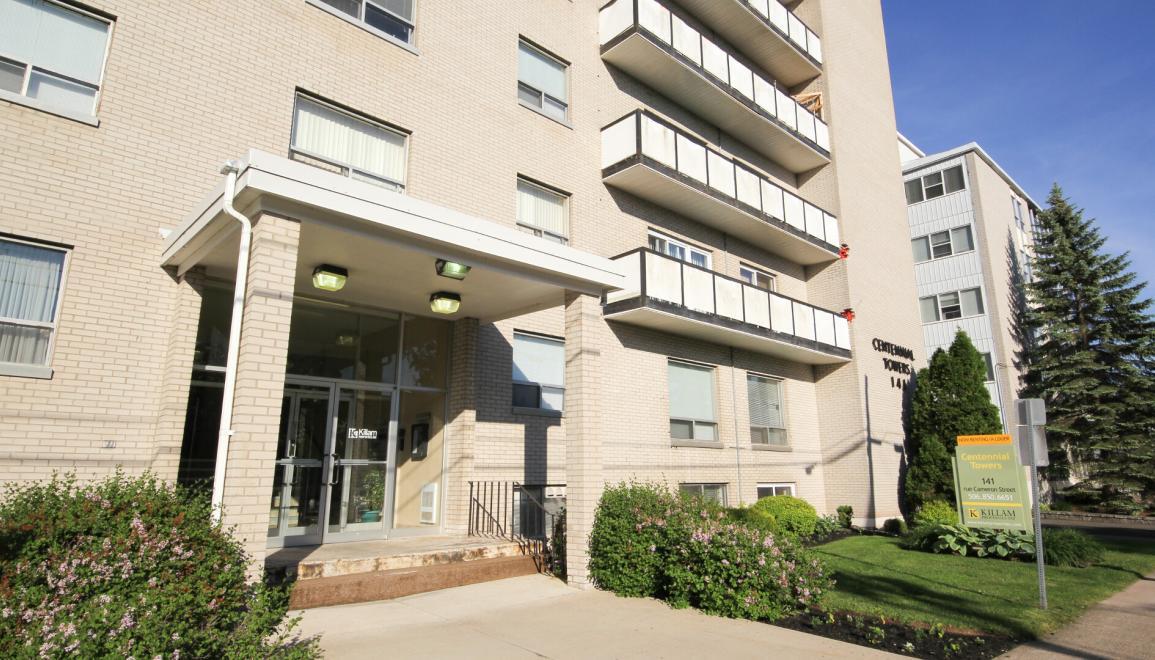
334,470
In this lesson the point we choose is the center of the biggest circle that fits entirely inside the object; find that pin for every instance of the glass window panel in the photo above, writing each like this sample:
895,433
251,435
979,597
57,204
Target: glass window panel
989,366
972,302
529,95
921,249
403,8
714,493
940,244
19,28
29,281
541,71
61,93
339,137
954,179
69,43
423,357
538,359
914,191
541,208
24,344
213,327
932,179
764,396
553,107
929,308
934,191
962,239
333,343
681,429
552,398
350,7
691,391
657,244
387,23
699,259
526,396
705,431
12,76
949,304
777,437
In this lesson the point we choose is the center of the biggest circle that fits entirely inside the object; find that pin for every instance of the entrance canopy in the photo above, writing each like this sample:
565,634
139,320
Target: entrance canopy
389,243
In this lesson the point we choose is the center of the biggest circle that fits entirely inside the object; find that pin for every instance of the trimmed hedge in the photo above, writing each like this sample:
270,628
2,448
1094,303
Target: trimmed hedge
794,515
935,513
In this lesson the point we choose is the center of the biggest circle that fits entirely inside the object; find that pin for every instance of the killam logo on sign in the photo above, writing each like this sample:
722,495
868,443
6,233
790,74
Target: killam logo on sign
362,434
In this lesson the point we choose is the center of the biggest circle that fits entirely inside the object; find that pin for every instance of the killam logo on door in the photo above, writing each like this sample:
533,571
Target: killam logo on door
362,434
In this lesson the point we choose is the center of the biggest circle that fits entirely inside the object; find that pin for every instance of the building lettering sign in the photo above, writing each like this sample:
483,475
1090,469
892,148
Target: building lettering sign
361,434
905,369
989,483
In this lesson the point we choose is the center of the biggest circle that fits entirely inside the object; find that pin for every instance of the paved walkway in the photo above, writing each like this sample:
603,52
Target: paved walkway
1121,628
539,617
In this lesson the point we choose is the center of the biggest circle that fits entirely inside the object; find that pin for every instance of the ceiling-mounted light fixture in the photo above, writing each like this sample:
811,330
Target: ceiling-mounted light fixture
452,269
329,278
445,302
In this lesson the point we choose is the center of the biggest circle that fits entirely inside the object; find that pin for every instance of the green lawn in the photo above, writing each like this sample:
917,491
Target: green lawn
876,576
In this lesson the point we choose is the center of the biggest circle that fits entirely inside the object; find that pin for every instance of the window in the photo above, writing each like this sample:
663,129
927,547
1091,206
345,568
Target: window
538,372
710,492
756,278
775,490
943,244
53,54
541,81
30,283
1017,207
542,211
692,402
989,364
392,18
681,251
764,396
362,149
935,184
951,305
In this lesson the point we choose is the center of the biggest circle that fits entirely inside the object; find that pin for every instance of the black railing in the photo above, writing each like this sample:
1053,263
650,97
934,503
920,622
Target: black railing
518,512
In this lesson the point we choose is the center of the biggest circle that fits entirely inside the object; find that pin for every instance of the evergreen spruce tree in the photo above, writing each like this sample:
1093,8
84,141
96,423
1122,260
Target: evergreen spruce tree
950,399
1092,363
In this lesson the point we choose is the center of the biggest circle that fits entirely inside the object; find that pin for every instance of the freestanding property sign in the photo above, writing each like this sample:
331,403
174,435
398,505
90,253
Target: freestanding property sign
990,484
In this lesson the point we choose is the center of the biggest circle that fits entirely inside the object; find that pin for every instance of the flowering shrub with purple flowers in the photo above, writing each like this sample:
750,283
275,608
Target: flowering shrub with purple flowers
648,541
130,567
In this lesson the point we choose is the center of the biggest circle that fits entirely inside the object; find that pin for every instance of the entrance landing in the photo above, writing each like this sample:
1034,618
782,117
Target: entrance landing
339,573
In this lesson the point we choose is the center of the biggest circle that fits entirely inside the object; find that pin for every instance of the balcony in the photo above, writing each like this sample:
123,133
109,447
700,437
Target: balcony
680,298
648,157
766,32
646,40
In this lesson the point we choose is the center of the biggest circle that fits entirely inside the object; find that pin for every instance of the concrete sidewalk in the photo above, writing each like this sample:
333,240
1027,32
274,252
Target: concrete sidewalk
539,617
1121,628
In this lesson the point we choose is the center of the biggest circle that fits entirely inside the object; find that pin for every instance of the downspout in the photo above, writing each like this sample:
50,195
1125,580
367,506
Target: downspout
230,170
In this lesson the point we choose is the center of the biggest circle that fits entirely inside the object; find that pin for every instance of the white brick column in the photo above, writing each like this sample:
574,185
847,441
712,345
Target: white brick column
461,428
260,381
583,442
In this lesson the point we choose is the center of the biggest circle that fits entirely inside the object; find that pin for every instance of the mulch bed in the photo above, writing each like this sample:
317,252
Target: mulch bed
917,640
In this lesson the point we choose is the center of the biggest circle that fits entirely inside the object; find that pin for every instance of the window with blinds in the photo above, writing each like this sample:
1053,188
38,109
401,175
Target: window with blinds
392,18
692,415
538,372
542,211
715,493
541,81
53,53
767,423
359,148
30,281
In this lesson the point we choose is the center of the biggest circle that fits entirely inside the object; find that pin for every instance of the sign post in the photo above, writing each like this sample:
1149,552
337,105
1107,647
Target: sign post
1032,419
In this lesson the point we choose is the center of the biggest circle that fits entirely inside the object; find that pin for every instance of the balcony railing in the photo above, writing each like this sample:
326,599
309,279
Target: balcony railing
766,32
675,296
653,44
649,157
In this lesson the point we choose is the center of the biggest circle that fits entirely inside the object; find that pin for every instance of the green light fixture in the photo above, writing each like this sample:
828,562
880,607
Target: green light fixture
445,302
452,269
329,278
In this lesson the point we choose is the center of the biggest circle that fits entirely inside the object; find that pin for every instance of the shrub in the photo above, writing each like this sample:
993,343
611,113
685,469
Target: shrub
920,538
130,567
1061,505
1071,547
647,541
936,512
794,515
846,515
967,541
894,526
629,526
753,518
827,525
732,570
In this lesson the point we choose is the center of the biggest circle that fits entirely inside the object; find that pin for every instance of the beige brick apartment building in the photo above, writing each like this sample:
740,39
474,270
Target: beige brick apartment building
651,222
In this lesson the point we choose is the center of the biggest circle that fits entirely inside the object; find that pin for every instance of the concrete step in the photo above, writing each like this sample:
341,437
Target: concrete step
363,587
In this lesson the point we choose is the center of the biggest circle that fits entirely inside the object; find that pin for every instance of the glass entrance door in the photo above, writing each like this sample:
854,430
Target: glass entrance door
358,465
297,498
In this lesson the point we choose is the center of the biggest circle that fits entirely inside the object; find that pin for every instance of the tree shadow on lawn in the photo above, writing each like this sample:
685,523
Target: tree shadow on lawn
931,606
891,569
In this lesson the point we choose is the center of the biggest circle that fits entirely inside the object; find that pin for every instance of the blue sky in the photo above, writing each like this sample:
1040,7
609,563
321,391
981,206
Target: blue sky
1054,90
